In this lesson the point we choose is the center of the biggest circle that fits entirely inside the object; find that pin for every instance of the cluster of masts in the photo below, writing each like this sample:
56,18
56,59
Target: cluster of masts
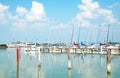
63,48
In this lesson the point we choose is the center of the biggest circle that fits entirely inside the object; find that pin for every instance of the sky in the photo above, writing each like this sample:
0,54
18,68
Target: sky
53,21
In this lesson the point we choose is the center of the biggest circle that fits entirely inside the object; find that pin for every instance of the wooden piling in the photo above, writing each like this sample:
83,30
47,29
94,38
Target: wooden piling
69,73
101,49
18,49
39,57
108,75
17,70
17,54
108,61
119,49
69,59
39,71
61,50
75,50
83,51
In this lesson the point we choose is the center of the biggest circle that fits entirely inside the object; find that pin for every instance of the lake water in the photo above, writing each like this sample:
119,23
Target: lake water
55,66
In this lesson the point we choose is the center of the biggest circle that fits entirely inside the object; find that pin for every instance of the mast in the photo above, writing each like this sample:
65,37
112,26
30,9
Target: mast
108,33
49,35
69,57
98,34
72,37
112,36
79,32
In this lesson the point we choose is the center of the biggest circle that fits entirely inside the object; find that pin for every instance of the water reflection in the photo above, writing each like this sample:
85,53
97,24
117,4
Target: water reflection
69,73
108,75
82,57
30,57
17,70
55,66
100,60
39,71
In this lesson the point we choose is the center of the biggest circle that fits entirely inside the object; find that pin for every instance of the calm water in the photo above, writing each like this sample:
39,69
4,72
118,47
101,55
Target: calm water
55,66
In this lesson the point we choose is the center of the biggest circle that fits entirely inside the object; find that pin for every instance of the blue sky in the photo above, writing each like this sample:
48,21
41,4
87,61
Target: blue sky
53,20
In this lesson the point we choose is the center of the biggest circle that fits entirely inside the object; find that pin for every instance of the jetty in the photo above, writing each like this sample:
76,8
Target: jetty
63,48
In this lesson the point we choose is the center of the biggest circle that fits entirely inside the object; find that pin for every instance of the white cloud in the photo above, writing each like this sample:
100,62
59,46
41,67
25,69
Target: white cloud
18,26
107,15
89,8
3,8
29,19
91,11
23,17
4,14
36,13
58,26
81,21
21,11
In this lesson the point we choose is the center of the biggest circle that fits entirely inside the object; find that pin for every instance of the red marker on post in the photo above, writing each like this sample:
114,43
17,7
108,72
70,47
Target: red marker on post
17,54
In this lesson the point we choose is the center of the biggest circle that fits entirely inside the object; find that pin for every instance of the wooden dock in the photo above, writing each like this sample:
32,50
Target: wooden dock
85,50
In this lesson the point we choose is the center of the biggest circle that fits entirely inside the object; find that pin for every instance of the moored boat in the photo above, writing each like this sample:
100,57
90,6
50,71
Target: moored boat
3,46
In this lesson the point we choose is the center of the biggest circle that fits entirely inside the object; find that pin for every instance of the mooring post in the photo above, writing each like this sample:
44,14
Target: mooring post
17,54
76,50
119,49
108,75
17,70
17,61
69,73
61,50
39,72
101,49
69,59
39,57
108,61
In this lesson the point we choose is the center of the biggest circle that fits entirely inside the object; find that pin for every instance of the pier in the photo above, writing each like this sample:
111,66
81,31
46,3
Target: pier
85,50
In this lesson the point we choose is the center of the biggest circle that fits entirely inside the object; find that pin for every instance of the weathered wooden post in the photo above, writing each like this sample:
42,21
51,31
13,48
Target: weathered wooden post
61,50
68,54
83,51
101,49
108,75
108,61
17,70
39,57
69,59
119,49
17,54
69,73
17,61
39,71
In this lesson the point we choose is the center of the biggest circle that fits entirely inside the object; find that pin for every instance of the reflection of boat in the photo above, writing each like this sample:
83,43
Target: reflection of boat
3,46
